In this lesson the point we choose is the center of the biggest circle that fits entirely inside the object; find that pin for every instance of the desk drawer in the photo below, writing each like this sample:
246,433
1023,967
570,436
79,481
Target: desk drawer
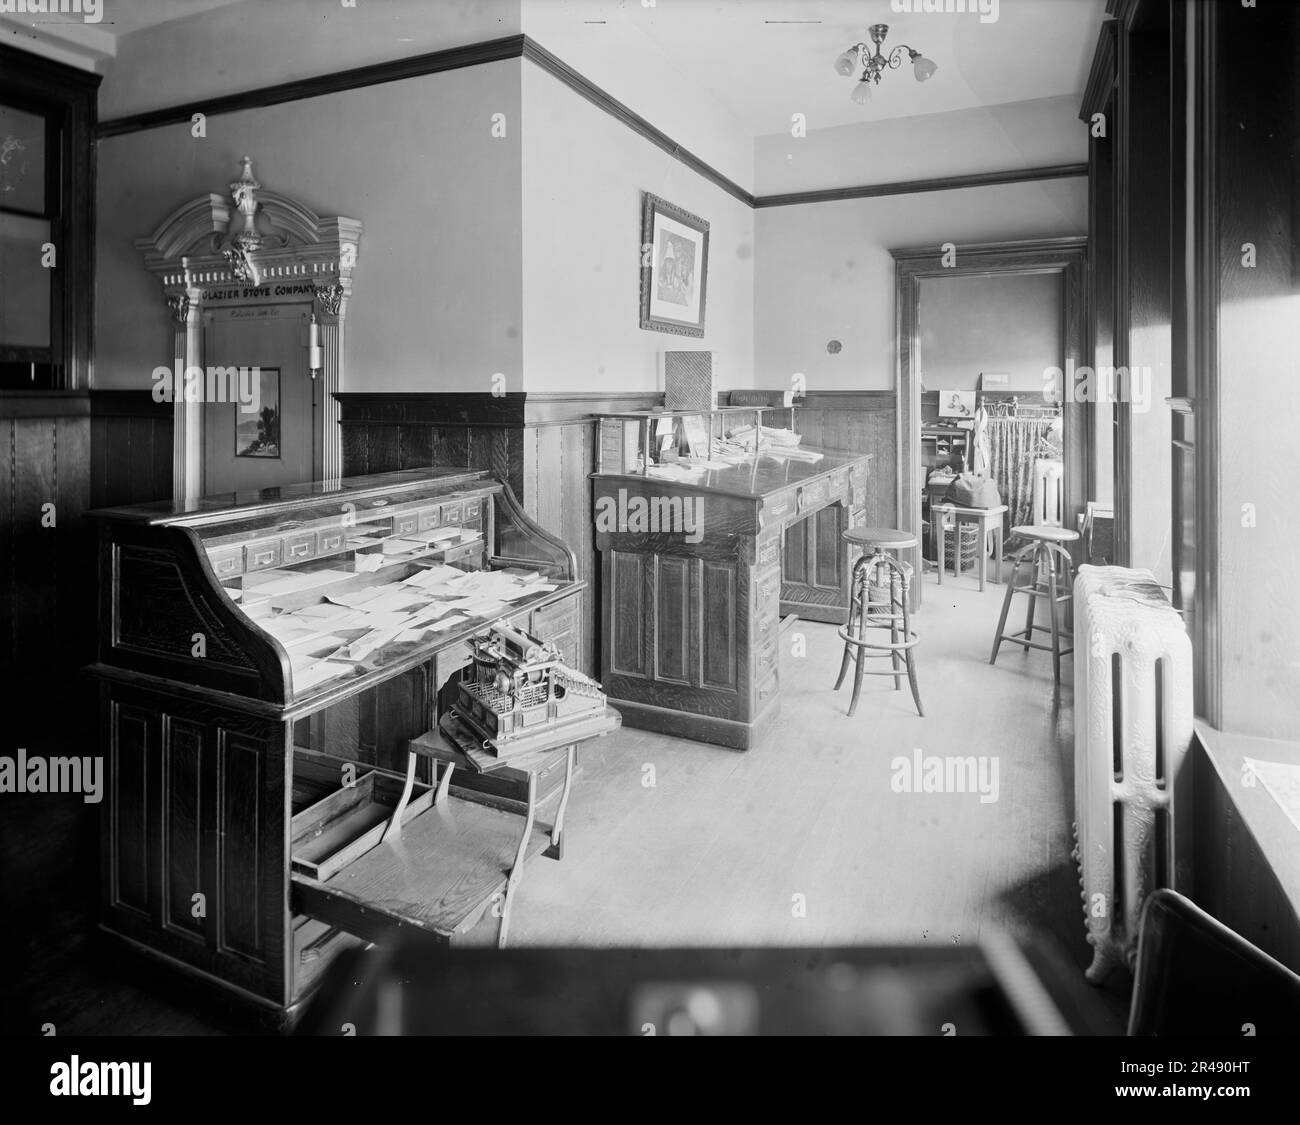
343,826
769,552
814,495
464,551
766,690
299,546
767,587
472,512
330,539
428,518
227,561
779,507
452,514
406,523
262,554
764,653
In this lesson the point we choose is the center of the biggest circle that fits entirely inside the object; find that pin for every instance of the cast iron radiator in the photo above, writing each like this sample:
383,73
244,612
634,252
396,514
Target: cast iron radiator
1132,775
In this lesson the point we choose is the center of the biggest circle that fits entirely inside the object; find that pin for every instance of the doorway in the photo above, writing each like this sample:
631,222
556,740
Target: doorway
1063,260
264,435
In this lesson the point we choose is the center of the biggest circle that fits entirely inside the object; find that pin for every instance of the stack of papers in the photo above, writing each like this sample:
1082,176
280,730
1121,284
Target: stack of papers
338,634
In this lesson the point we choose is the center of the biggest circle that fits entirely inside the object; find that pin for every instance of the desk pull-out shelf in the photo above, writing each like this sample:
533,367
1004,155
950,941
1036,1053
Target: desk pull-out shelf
387,854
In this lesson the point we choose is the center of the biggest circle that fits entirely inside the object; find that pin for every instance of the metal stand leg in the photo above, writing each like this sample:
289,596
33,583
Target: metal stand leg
556,850
911,658
1056,636
1035,574
517,868
895,658
1013,580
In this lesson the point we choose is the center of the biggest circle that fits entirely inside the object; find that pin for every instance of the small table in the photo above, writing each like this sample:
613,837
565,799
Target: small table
988,519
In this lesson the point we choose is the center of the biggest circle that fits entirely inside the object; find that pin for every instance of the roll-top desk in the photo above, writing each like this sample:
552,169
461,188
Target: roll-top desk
223,720
690,610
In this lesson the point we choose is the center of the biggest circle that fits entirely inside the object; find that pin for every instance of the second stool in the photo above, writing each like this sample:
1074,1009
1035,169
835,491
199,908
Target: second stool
1050,577
879,600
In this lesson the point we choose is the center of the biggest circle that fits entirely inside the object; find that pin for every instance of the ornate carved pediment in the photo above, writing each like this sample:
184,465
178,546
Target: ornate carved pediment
255,239
253,247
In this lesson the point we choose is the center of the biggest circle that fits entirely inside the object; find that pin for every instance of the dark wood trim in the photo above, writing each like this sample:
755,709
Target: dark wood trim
1204,386
133,403
395,70
1066,256
584,87
481,408
69,95
1101,77
44,404
522,46
813,400
907,187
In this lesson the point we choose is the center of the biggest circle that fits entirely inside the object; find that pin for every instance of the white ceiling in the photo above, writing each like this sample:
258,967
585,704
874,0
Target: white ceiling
764,60
121,17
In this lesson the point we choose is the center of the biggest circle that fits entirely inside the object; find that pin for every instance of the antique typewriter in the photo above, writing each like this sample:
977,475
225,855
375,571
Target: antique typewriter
517,695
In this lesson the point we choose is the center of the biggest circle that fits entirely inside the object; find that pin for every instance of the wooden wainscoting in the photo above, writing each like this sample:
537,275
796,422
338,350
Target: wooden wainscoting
47,571
852,421
130,448
542,445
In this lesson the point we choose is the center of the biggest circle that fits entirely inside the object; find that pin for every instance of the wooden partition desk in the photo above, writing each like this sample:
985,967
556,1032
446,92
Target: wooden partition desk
689,617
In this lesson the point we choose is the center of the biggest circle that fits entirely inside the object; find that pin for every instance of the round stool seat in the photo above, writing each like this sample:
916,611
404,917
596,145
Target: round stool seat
878,538
1045,533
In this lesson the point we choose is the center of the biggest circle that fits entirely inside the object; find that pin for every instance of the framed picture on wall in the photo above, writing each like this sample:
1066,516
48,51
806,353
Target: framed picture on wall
257,423
956,404
674,268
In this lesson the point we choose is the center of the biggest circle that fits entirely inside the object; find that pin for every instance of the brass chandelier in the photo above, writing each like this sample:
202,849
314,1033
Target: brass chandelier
874,64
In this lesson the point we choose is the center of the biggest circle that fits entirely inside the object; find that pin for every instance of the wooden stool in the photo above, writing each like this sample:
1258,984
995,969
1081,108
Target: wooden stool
989,521
878,599
1049,564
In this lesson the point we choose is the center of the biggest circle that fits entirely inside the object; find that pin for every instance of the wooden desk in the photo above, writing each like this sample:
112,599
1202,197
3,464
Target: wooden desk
987,519
690,618
218,753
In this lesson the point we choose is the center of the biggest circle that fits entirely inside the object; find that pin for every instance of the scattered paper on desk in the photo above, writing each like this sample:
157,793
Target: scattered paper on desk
435,575
355,599
404,546
363,647
448,622
309,676
368,564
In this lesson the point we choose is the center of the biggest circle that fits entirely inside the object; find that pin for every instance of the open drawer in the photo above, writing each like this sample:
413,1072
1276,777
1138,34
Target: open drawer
339,828
438,877
455,853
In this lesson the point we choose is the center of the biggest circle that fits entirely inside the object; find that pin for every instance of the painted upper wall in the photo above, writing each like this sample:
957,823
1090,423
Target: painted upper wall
994,139
245,46
609,44
584,174
823,271
437,297
1000,323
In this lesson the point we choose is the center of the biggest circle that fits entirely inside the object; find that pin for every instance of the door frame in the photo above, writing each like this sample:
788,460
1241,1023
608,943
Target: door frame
1064,256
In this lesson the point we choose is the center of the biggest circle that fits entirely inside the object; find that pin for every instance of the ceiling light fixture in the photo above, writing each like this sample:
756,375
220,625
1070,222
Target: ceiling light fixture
874,63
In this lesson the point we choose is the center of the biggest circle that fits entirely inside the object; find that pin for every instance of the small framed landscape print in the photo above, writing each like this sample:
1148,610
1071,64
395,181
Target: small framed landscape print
674,268
257,424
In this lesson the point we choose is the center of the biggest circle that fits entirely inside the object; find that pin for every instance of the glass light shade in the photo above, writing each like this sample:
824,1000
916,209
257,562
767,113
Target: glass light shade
862,92
847,63
924,68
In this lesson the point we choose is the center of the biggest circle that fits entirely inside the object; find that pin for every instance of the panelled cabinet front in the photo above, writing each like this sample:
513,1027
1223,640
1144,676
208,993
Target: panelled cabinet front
678,629
691,622
194,836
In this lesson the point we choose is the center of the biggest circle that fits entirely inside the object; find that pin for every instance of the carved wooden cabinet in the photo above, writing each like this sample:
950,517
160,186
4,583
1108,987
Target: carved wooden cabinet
218,730
690,610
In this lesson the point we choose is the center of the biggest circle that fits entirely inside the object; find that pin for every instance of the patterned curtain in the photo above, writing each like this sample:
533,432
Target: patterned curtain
1013,445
